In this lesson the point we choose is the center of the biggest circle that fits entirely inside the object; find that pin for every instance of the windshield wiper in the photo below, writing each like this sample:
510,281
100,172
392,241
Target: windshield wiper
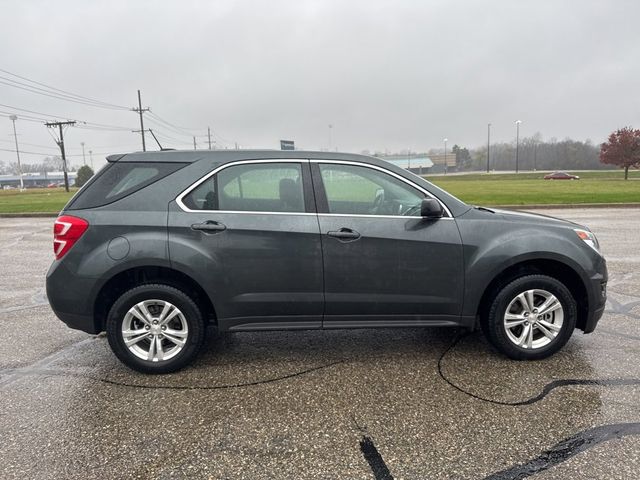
484,208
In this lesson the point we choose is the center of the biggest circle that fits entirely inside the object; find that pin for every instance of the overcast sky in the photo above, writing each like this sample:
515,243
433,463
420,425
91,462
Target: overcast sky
386,74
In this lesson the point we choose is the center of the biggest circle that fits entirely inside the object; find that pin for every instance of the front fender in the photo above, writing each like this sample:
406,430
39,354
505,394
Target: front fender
485,260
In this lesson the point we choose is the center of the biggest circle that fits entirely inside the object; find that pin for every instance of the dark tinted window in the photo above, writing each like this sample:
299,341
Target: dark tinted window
256,187
203,197
117,180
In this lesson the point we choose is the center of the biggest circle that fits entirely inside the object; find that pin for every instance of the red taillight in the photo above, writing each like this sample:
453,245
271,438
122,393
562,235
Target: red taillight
66,232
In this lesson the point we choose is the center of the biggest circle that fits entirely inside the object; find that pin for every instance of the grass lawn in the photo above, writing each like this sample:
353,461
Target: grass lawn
479,189
530,188
49,200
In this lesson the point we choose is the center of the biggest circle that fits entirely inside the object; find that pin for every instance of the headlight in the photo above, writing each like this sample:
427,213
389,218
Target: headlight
589,238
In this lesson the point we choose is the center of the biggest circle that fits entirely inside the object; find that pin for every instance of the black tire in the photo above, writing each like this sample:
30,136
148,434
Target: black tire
190,312
495,331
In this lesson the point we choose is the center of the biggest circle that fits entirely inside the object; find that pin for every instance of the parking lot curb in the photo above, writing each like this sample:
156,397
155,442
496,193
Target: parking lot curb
552,206
28,215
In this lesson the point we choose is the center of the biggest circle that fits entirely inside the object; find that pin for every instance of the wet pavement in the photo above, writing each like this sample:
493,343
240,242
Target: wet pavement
403,404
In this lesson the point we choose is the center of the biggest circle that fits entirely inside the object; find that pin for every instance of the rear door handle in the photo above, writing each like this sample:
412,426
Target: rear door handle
344,234
209,227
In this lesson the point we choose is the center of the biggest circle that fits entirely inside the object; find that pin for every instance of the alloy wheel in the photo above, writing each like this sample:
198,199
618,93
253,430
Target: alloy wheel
533,319
154,330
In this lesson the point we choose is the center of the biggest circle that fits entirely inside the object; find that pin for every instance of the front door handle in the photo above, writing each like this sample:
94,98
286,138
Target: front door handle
344,234
209,227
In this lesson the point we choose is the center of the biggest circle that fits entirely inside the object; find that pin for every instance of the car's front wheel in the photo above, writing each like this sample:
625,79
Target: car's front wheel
531,317
155,328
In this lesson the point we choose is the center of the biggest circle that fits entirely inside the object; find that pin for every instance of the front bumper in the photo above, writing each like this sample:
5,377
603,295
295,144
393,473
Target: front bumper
597,297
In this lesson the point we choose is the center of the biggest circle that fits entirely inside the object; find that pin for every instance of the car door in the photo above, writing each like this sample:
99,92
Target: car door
383,263
248,232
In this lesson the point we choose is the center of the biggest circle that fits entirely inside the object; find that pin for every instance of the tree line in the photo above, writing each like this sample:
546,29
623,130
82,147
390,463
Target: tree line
534,154
48,164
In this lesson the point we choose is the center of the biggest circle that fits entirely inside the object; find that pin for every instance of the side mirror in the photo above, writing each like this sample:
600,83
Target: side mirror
431,208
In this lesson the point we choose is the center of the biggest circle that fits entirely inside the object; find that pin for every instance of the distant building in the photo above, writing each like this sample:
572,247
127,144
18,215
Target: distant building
417,163
36,179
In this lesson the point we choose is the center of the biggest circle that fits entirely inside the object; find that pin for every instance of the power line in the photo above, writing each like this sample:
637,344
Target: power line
28,118
13,150
169,128
102,125
43,154
57,97
59,92
169,137
182,130
186,131
30,144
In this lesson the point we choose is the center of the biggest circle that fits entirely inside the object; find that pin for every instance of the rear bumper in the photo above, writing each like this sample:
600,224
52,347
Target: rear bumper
70,298
86,323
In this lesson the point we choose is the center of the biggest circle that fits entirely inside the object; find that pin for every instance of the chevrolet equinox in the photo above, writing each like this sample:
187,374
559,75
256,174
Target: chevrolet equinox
159,245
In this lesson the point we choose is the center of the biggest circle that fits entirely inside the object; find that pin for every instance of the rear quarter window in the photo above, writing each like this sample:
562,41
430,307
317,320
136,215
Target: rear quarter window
118,180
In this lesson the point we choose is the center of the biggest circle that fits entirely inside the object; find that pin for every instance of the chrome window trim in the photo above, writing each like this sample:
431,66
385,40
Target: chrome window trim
203,179
197,183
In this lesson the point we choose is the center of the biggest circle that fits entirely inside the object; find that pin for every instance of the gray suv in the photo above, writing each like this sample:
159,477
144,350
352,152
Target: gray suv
160,245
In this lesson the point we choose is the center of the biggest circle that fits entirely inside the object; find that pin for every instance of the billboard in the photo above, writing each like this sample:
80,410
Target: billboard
287,145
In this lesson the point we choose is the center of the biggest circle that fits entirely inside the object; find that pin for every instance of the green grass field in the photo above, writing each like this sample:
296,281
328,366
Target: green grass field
530,188
47,200
479,189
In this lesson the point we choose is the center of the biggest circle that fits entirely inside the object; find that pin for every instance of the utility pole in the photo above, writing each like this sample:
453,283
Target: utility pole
194,143
209,135
60,143
84,159
488,144
13,118
518,122
140,111
445,155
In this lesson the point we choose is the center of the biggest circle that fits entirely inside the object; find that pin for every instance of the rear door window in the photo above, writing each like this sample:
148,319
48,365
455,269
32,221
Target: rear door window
256,187
120,179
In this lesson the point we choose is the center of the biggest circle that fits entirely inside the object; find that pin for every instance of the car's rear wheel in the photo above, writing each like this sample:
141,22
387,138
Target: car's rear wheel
155,328
531,317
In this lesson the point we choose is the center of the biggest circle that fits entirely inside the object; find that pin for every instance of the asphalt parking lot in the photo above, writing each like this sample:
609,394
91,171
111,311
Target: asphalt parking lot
404,404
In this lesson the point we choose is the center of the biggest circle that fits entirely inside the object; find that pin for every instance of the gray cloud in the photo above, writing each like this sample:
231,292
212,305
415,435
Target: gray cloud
387,74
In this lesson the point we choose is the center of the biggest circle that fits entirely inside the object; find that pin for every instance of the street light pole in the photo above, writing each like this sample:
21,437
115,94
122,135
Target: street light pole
445,155
488,144
518,122
330,137
13,118
84,159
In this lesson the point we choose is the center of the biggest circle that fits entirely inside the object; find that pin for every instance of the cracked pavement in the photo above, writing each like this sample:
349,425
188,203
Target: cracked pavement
404,404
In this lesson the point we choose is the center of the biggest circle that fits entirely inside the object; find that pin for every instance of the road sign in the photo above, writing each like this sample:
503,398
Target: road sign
287,145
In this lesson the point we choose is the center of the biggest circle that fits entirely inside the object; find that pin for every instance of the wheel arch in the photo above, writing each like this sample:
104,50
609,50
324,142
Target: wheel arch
555,268
141,275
